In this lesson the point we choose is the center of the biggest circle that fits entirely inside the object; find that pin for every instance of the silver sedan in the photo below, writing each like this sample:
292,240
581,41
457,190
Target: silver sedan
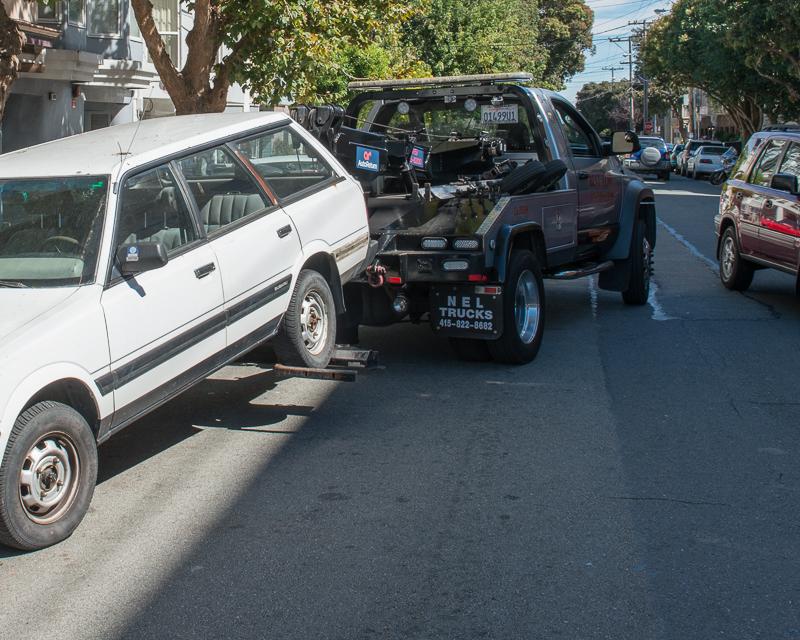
705,161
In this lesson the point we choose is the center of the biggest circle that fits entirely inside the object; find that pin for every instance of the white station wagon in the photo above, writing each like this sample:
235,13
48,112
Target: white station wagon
137,260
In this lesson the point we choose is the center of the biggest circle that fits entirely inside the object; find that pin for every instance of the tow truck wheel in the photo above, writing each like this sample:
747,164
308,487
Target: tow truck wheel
307,336
48,476
641,259
523,311
471,350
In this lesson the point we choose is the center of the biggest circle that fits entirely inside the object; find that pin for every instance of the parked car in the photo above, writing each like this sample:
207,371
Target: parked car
480,187
138,259
706,161
689,149
673,158
758,225
652,158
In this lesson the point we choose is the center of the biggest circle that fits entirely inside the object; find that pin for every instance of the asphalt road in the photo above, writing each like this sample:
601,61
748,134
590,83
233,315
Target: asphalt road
640,480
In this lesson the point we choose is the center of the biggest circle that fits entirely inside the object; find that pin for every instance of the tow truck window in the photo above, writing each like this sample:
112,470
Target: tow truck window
578,133
436,121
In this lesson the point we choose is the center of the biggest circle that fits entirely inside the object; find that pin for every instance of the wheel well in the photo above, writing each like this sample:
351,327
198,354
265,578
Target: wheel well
72,393
325,265
724,225
647,212
531,241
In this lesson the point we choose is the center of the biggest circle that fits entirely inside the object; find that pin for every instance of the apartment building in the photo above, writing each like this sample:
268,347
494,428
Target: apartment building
85,67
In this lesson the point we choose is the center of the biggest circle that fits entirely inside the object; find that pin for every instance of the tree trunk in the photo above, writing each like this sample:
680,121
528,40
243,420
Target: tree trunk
11,43
191,89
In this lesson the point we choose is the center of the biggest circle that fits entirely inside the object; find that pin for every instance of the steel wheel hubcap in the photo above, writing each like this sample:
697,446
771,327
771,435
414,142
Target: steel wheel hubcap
728,258
527,307
314,322
48,480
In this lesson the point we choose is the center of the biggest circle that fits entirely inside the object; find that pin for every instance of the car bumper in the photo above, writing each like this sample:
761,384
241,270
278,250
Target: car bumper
638,167
706,168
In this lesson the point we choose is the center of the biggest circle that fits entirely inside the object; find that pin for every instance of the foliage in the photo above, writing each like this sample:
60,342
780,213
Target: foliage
692,47
765,34
605,105
565,31
454,37
275,49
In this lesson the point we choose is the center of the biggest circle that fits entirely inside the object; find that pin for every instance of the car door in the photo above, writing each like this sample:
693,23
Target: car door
326,208
780,216
598,177
162,324
757,202
255,242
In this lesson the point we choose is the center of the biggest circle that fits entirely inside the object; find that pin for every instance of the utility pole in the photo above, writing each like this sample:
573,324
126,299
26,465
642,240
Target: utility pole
628,39
645,82
612,70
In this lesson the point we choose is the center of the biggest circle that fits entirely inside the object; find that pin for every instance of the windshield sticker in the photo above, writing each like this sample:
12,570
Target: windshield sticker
133,254
368,159
417,158
506,114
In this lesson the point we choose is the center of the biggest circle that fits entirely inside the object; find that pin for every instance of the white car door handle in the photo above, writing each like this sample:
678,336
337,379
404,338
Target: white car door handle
205,270
284,231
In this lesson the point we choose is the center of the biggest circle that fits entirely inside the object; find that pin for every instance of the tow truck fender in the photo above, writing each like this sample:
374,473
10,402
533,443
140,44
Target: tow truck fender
505,241
638,202
636,194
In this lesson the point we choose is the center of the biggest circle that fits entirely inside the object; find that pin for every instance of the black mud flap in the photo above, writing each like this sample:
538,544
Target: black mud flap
467,311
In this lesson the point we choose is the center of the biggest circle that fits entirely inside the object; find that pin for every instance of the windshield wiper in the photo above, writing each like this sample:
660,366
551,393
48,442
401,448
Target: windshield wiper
13,284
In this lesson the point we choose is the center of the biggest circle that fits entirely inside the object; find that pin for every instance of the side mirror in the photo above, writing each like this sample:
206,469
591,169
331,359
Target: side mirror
785,182
623,142
141,257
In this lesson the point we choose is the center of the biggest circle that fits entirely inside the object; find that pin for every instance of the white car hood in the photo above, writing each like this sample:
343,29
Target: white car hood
18,307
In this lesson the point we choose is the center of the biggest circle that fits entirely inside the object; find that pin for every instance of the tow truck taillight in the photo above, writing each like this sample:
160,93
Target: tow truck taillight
489,291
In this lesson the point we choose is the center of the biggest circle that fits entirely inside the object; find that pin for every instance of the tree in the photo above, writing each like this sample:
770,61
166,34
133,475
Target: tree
275,49
11,42
454,37
691,47
765,33
605,105
565,31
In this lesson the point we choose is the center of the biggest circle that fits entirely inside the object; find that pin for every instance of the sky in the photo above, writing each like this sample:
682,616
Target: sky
611,19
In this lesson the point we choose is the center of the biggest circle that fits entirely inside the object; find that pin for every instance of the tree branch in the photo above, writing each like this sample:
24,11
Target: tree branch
168,72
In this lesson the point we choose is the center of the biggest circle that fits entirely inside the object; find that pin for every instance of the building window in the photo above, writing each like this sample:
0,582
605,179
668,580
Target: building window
77,12
167,15
104,18
135,32
48,12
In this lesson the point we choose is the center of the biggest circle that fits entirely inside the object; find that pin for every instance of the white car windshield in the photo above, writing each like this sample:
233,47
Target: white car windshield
50,230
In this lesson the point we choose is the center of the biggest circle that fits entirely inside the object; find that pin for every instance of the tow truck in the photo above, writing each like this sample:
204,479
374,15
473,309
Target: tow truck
478,189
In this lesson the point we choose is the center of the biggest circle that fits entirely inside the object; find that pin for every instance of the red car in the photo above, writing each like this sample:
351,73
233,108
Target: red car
758,225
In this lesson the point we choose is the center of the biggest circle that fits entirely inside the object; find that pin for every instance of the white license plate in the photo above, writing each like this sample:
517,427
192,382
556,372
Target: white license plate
506,114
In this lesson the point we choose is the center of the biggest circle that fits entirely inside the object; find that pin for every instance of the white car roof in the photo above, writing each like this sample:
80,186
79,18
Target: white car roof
104,151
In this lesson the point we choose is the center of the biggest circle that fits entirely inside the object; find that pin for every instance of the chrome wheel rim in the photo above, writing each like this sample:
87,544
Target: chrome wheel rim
314,322
48,479
728,258
527,307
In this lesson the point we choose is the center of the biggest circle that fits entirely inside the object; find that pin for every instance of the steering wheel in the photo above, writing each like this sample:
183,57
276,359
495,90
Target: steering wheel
56,239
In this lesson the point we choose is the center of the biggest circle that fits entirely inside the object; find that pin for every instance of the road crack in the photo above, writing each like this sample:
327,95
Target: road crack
703,503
